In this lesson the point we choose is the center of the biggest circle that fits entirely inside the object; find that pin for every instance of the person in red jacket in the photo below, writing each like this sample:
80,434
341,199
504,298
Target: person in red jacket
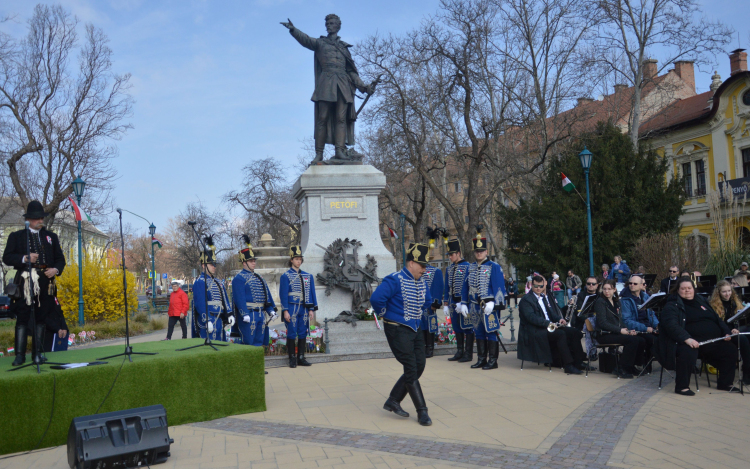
178,308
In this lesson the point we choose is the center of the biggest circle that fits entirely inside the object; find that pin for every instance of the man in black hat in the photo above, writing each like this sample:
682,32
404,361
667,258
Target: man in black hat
400,300
36,286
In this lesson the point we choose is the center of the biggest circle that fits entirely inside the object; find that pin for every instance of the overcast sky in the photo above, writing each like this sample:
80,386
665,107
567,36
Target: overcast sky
218,84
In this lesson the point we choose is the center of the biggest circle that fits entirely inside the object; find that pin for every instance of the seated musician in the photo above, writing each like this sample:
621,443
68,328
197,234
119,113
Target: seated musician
726,303
611,329
591,286
534,340
635,319
686,320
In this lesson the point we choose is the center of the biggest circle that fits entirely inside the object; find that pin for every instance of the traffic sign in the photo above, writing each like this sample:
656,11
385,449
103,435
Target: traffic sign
164,276
150,275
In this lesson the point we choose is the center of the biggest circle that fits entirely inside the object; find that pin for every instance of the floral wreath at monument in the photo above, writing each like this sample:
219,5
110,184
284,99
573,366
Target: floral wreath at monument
342,269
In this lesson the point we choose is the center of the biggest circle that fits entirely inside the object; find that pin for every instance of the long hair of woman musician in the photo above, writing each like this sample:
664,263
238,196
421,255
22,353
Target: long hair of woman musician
724,294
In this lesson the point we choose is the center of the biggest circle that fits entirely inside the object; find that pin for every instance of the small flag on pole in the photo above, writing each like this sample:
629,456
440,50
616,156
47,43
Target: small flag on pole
393,233
567,185
156,242
79,213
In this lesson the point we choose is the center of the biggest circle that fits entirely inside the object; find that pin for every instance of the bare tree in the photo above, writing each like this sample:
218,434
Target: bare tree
59,116
266,197
471,94
633,29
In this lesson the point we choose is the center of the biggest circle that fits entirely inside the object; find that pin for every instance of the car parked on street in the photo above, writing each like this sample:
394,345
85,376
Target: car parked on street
158,291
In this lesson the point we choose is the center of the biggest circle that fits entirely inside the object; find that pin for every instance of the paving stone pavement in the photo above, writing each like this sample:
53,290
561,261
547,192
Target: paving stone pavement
589,443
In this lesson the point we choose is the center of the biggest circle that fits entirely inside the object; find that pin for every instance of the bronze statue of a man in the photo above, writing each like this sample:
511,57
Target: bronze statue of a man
336,78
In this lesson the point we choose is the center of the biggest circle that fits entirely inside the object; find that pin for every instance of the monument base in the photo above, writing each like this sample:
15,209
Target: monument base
340,202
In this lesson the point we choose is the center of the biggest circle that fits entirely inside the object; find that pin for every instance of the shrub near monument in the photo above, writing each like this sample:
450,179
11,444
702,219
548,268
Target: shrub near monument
102,291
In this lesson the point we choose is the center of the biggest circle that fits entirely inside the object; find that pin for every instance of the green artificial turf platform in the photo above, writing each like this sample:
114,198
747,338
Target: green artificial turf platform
194,386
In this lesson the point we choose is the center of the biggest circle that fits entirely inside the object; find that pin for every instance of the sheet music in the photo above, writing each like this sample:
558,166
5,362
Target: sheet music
739,313
652,300
585,300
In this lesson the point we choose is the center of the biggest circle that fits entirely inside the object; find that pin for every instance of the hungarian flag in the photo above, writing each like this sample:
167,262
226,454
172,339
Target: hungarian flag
567,185
79,213
156,242
11,350
393,233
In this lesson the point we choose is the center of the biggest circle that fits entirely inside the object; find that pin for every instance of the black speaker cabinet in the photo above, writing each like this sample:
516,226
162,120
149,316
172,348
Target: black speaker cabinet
126,438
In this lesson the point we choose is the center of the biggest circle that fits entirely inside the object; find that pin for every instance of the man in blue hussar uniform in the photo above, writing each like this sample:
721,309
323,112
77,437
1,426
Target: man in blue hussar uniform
456,274
400,300
433,277
211,303
484,293
252,298
298,302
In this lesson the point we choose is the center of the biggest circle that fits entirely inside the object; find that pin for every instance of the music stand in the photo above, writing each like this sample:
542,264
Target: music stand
39,358
207,342
649,279
655,301
586,306
128,349
705,284
743,314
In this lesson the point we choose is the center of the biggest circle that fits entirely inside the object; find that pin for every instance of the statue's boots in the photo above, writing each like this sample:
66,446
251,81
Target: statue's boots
301,344
21,342
468,349
290,351
459,346
398,393
318,158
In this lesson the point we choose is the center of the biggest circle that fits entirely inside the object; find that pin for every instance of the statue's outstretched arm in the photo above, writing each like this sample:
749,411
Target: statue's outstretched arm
301,37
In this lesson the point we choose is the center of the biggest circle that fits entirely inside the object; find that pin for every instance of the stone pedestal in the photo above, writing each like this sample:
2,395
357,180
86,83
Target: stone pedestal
340,202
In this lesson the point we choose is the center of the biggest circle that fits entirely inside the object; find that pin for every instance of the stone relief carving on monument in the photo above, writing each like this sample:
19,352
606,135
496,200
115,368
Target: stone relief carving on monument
342,269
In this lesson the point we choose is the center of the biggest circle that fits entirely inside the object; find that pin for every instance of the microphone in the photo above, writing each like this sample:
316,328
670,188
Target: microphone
191,223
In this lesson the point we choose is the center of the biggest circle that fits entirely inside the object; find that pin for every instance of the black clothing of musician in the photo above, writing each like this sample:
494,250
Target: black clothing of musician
535,342
741,341
609,325
684,319
46,245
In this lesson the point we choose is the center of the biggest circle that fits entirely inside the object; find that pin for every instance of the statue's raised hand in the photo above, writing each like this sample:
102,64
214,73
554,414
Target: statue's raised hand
288,25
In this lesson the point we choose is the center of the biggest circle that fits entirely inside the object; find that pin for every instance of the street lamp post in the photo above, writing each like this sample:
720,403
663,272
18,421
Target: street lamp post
152,230
585,157
78,187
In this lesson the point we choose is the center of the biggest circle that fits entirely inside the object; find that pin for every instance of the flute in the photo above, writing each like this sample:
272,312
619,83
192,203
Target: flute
722,338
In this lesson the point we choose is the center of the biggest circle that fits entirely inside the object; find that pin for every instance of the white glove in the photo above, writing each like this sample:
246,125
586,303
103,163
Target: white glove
446,311
273,316
231,320
245,318
463,309
210,326
488,307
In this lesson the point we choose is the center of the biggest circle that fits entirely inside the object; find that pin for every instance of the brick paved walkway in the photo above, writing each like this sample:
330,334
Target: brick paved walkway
589,443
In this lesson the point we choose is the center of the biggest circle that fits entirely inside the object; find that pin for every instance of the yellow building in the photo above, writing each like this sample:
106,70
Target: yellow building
707,140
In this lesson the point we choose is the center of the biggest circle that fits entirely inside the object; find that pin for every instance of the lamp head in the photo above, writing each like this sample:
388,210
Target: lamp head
152,229
585,157
78,186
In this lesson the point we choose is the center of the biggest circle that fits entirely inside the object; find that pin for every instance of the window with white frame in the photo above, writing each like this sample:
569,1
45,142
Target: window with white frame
694,172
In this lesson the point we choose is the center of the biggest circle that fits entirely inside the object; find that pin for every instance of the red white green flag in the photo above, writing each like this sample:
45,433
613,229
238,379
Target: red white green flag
567,185
156,242
79,213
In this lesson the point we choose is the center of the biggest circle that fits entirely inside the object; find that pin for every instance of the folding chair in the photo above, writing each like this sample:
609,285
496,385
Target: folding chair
599,345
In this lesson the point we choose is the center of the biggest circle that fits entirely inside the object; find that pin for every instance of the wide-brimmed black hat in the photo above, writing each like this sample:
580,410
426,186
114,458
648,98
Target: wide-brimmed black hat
418,253
35,210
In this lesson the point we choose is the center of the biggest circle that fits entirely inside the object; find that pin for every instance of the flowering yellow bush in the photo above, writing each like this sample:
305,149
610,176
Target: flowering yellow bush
102,290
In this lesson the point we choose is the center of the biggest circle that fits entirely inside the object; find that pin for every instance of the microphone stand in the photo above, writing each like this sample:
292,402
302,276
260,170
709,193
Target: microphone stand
39,358
206,342
128,349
